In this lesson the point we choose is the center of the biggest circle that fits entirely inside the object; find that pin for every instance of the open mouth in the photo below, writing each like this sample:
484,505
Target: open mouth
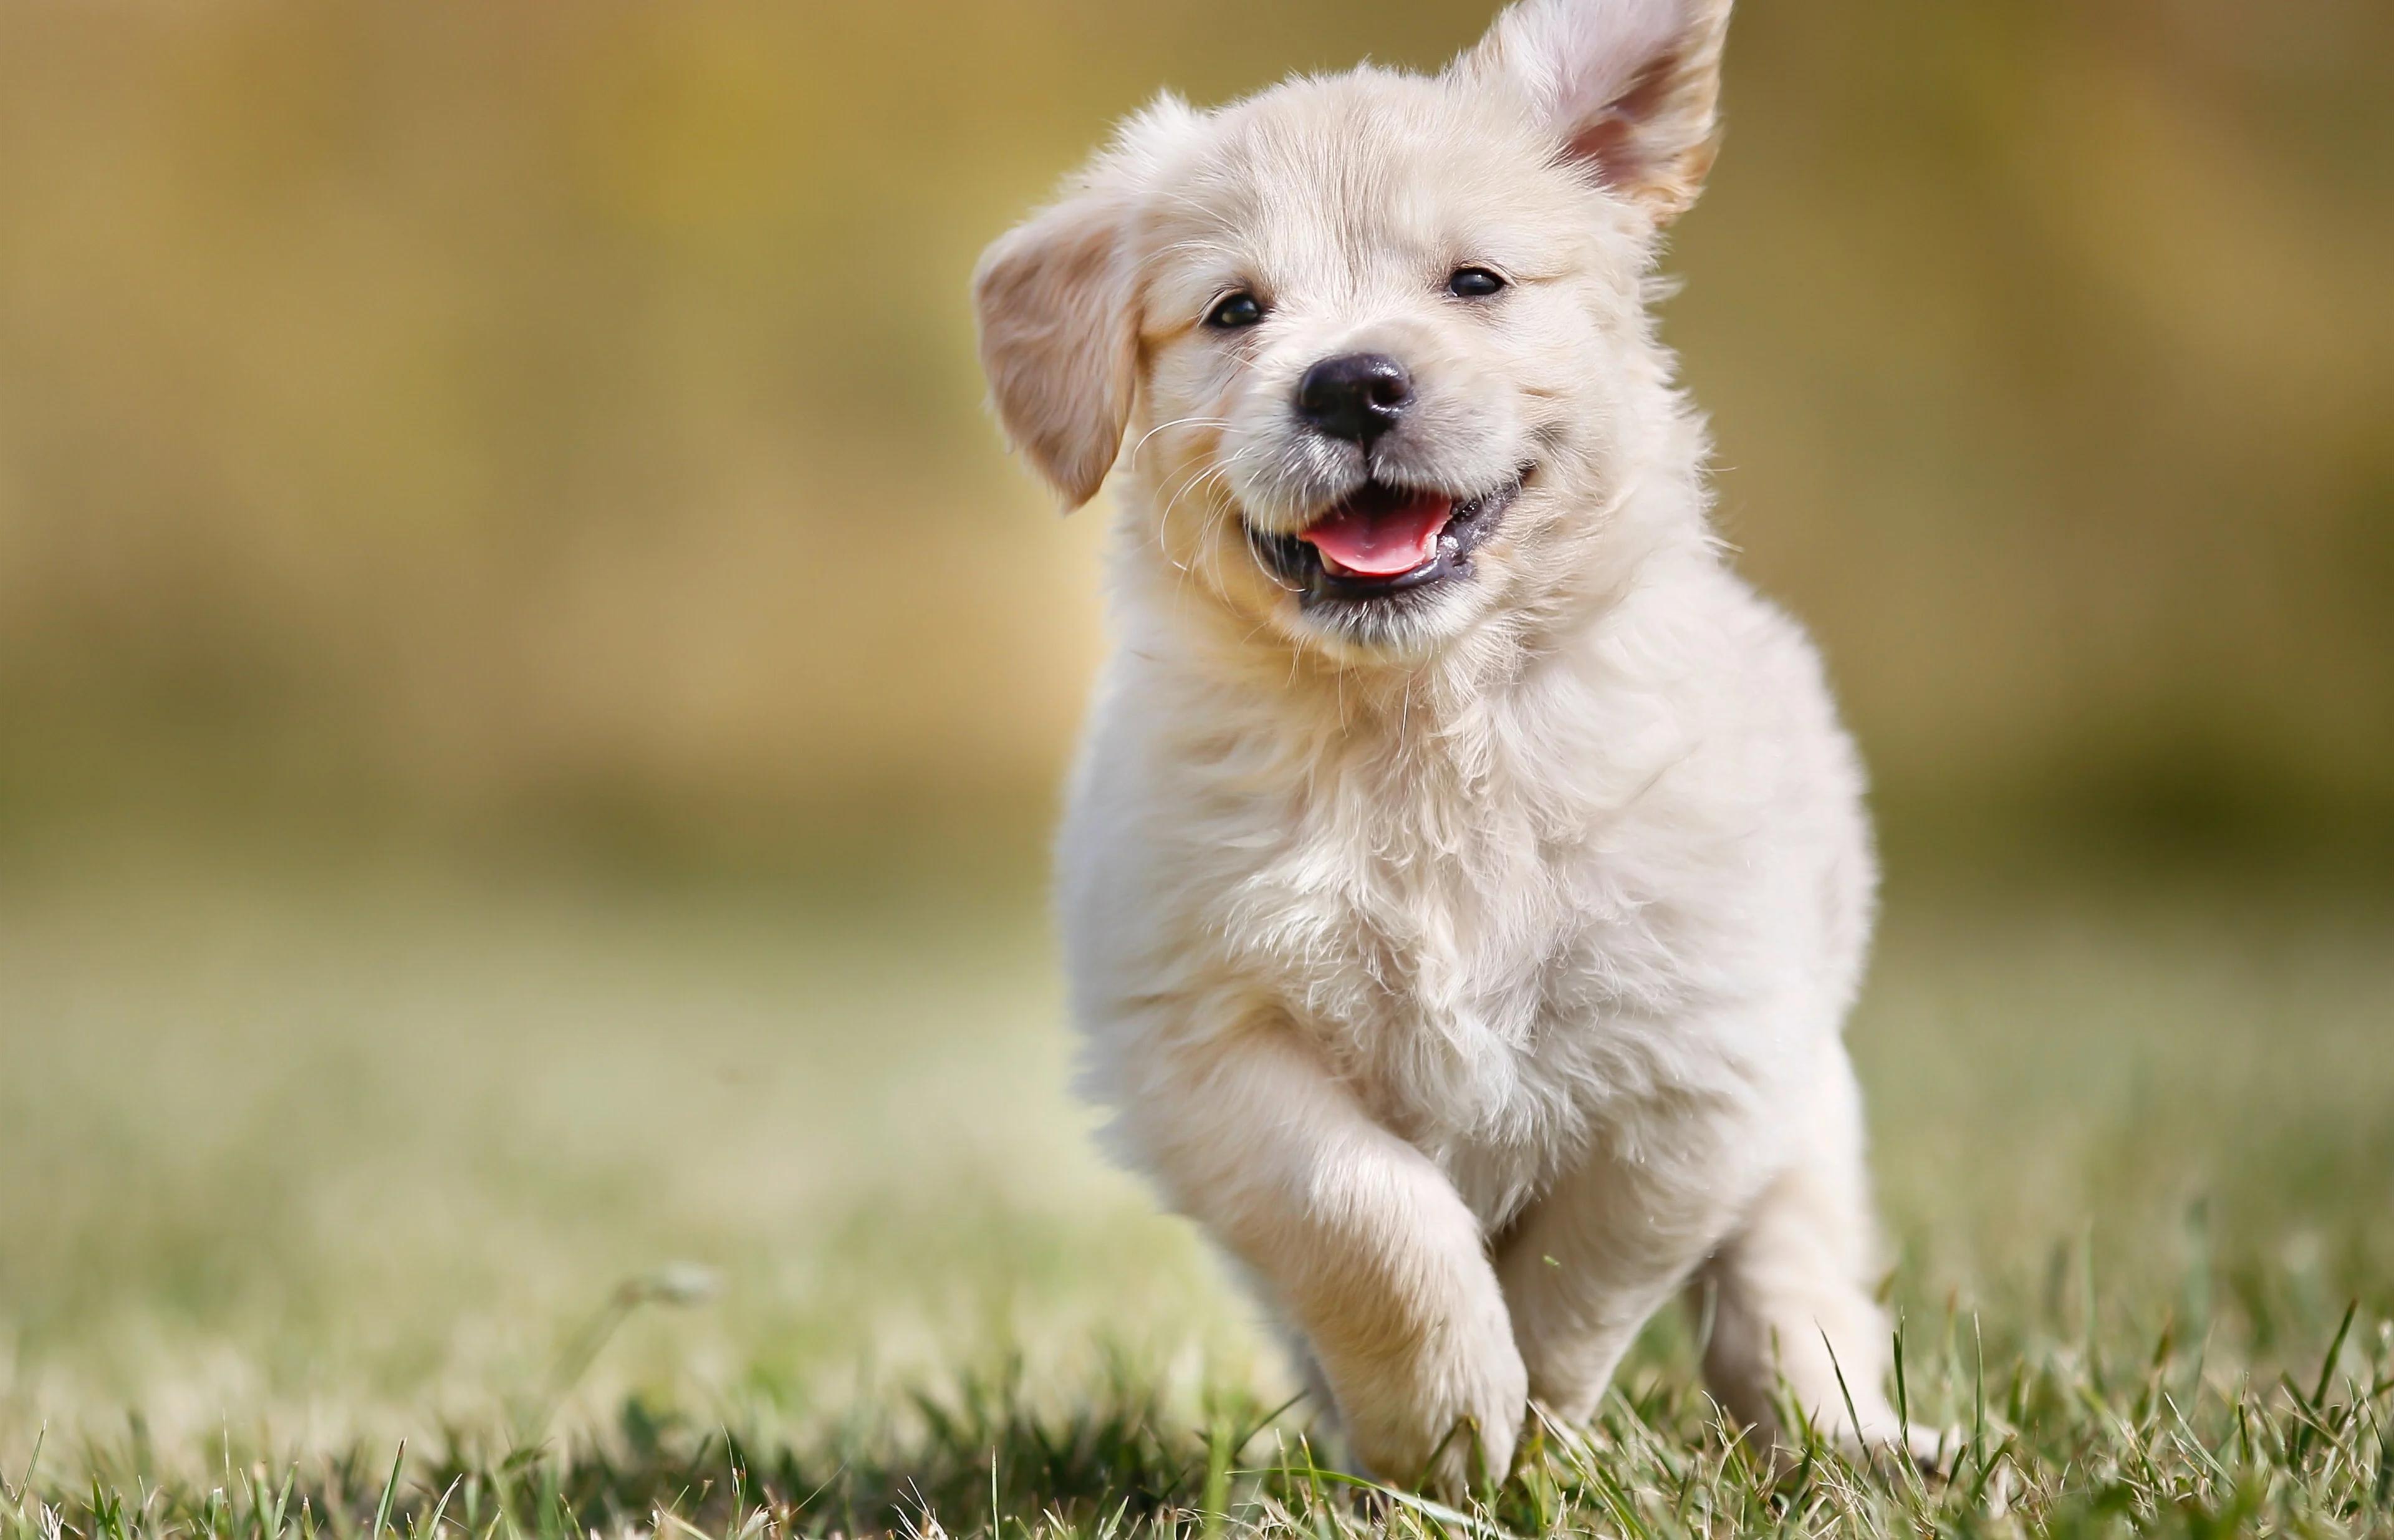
1380,541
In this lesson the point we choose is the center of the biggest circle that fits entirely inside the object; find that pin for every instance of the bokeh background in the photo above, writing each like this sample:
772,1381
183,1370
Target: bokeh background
531,696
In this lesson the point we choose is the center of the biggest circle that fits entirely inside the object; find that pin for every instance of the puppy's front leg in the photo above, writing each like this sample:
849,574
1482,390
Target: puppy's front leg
1612,1240
1359,1239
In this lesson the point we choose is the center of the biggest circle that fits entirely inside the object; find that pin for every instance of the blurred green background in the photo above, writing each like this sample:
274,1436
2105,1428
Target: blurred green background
531,696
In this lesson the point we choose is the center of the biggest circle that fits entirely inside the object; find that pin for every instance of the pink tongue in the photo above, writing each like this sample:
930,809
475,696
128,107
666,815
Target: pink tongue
1381,541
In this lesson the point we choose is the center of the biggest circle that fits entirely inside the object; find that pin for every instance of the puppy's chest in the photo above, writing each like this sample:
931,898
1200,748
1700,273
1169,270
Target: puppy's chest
1460,972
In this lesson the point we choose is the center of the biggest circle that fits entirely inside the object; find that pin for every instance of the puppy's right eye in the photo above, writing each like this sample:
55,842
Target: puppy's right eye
1235,312
1473,283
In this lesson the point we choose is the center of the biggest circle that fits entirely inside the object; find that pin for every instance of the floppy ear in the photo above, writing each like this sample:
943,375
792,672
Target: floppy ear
1058,340
1630,88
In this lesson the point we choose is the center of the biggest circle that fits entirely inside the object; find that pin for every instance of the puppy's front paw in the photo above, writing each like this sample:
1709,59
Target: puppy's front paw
1443,1421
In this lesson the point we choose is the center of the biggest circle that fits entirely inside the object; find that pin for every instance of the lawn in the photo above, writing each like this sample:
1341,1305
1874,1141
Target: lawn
332,1204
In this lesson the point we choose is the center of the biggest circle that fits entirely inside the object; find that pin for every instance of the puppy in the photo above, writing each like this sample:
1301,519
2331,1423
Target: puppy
1465,876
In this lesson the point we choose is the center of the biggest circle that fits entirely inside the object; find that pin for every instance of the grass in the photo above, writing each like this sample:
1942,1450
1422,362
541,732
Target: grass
346,1206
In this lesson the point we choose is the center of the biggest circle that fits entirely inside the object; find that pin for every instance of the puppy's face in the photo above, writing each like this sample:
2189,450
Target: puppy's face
1378,341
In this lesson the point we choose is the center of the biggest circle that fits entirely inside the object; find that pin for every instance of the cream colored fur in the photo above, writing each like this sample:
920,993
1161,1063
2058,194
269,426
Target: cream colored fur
1476,975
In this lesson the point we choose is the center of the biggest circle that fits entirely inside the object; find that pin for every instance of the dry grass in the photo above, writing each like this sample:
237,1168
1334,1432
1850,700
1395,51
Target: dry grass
298,1167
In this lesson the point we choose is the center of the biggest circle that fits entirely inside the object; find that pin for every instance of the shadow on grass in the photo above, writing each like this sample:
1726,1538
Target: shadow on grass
981,1460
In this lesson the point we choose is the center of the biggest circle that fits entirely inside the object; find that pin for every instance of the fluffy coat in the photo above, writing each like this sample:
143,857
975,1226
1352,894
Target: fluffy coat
1473,969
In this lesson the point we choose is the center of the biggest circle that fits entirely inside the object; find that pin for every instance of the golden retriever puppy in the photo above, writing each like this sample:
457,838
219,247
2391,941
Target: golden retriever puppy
1466,877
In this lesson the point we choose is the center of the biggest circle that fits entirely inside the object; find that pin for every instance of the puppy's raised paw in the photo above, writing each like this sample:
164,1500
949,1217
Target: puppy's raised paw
1442,1427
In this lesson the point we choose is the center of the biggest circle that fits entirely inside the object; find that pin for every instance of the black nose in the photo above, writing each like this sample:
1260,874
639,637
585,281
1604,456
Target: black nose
1355,396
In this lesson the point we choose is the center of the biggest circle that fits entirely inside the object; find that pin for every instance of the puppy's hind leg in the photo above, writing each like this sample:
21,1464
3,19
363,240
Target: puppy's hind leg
1791,1294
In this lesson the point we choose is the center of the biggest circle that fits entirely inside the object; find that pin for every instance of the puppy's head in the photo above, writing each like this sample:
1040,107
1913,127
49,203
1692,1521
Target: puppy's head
1372,350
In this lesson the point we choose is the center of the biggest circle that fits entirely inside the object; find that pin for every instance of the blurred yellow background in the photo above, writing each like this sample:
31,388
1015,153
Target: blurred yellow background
557,426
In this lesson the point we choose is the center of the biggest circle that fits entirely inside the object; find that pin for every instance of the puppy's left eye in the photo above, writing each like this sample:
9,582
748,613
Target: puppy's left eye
1473,283
1235,312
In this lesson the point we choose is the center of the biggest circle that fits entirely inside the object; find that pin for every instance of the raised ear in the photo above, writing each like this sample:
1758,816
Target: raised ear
1058,338
1630,87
